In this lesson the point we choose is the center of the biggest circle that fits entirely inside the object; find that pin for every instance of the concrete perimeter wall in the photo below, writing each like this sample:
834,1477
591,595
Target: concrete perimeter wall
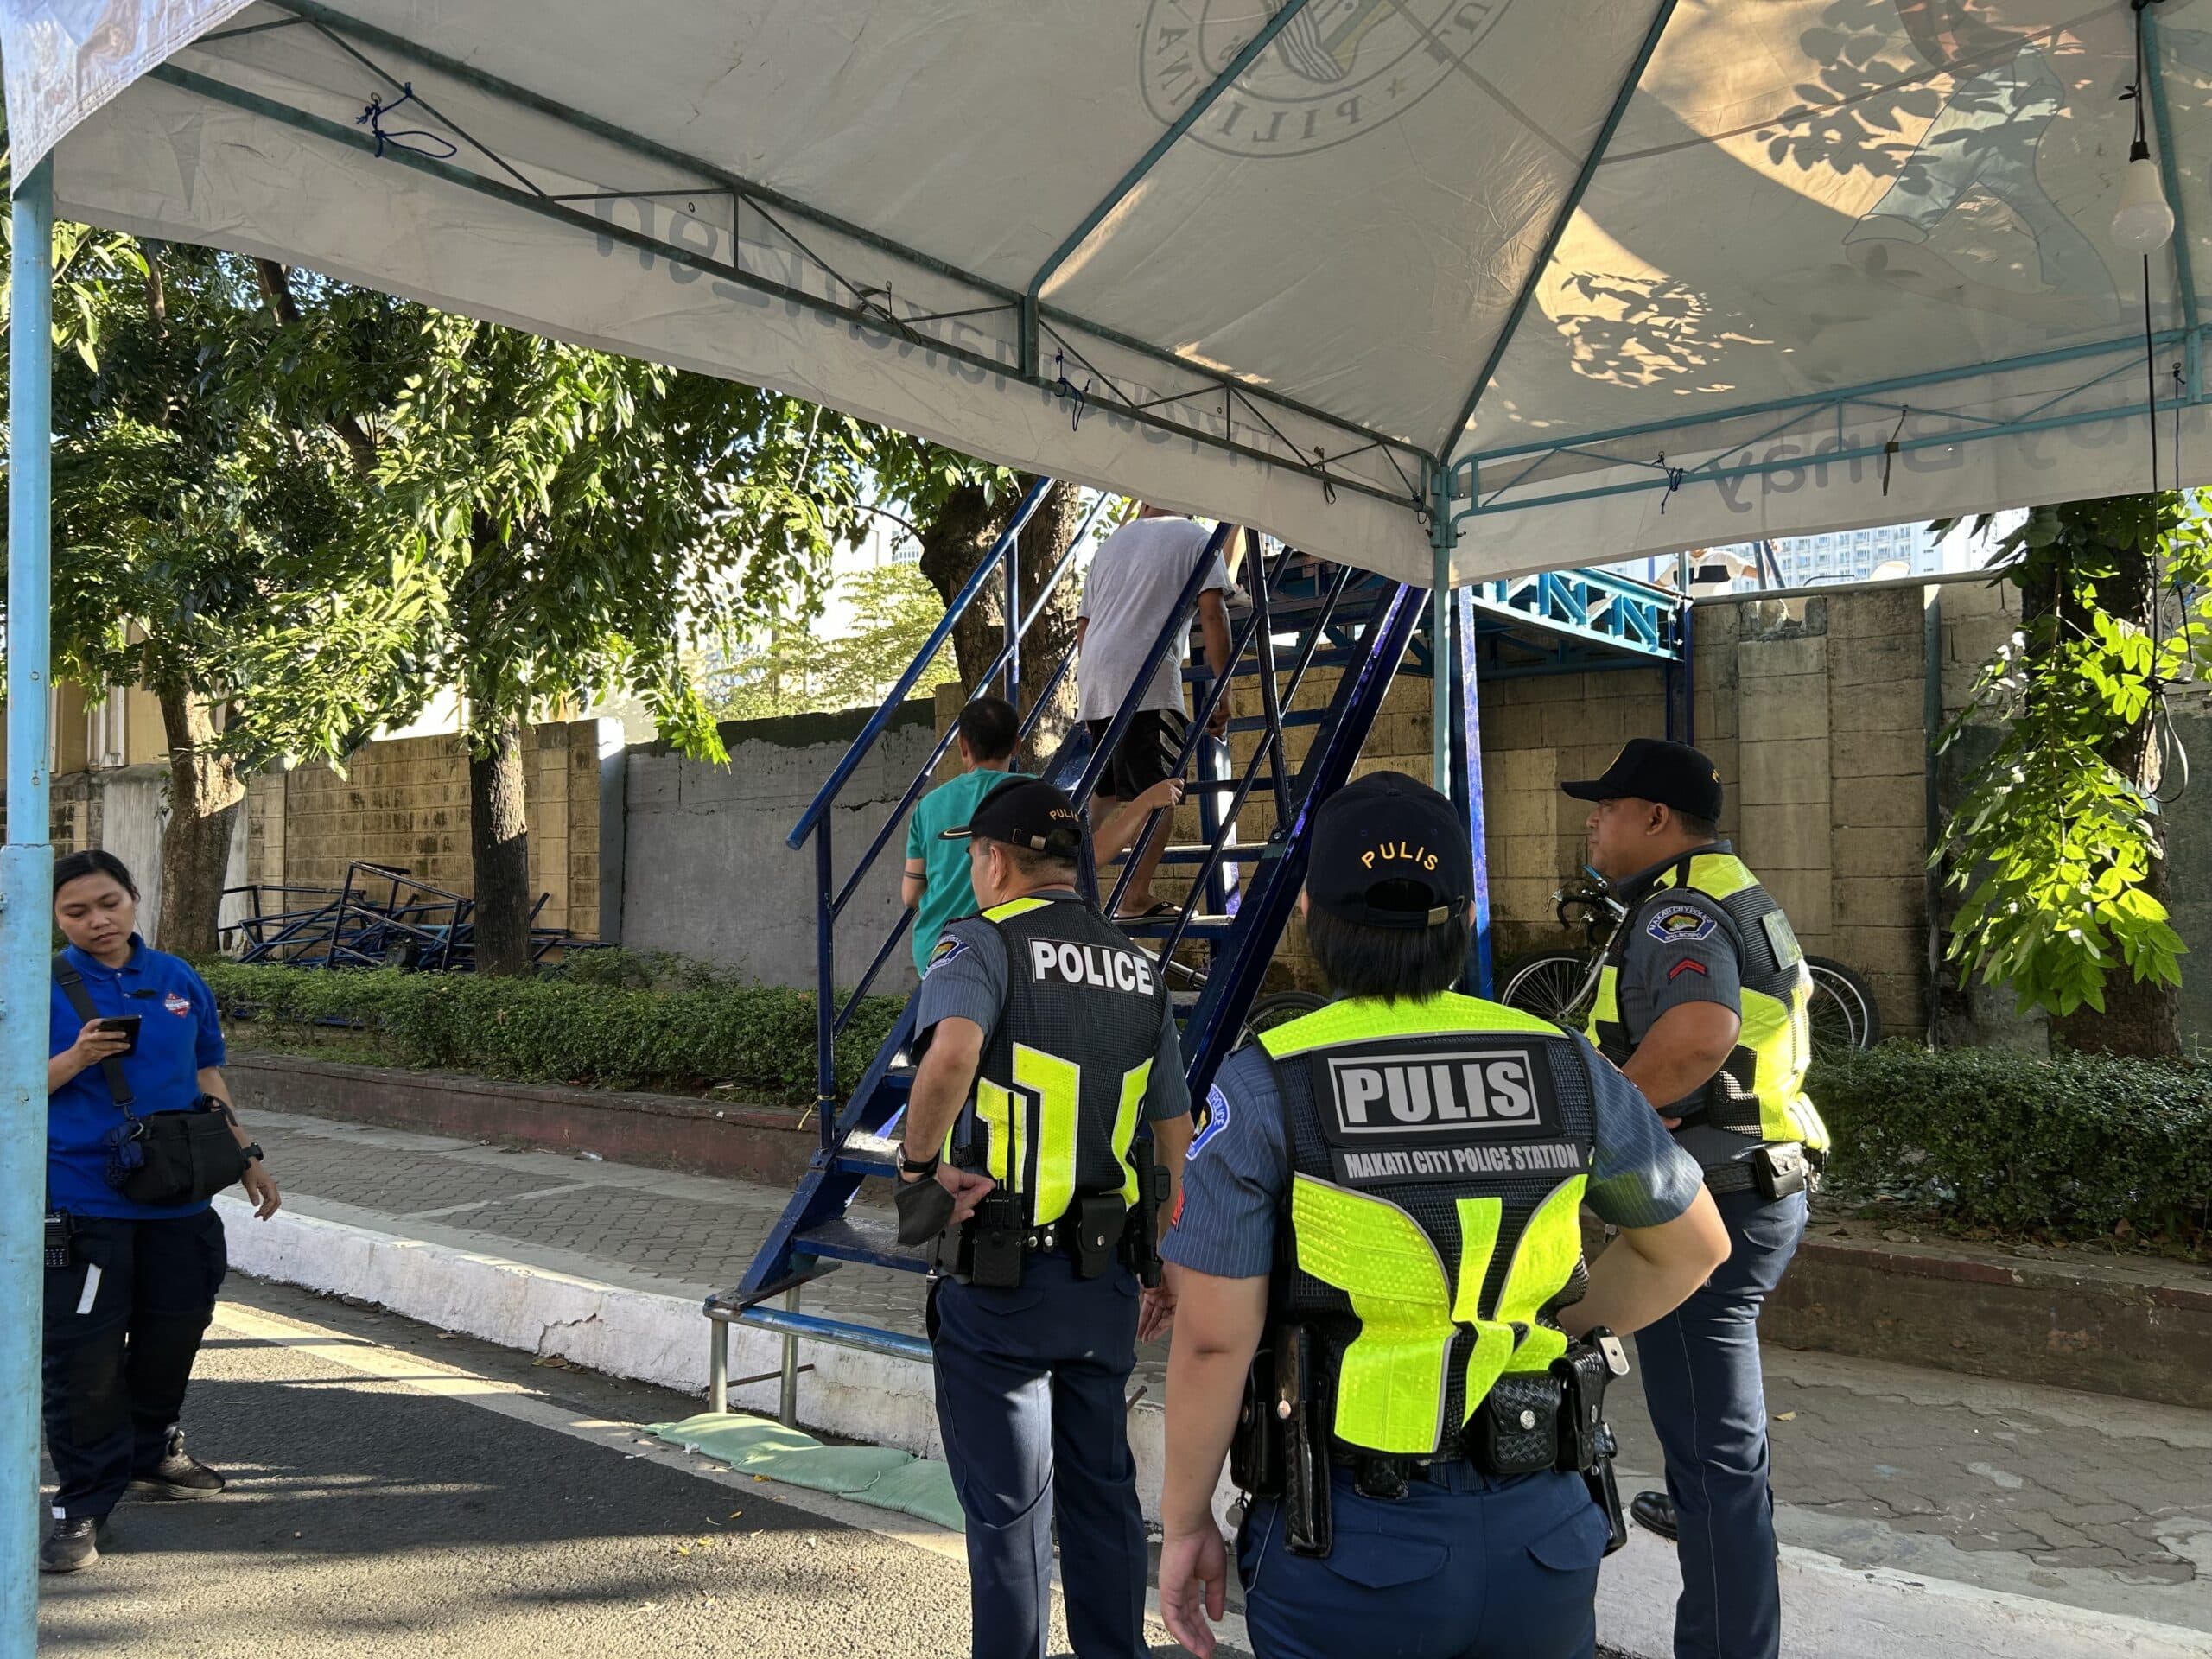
404,803
707,873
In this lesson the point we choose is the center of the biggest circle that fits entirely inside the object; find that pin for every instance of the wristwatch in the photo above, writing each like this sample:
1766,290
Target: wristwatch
254,1153
920,1168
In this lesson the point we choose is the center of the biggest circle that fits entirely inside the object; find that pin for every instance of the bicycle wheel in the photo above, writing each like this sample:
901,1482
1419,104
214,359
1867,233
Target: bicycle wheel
1842,1013
1553,985
1279,1010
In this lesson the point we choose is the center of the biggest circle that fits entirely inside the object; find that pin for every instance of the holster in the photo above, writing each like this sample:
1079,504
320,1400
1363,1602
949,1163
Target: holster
1585,1444
1144,1223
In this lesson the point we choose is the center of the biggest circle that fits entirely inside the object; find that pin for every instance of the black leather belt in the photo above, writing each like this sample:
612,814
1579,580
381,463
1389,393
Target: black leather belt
1733,1177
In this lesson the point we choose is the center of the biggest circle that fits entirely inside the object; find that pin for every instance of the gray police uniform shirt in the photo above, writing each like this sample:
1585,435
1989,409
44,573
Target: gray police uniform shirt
968,979
1679,950
1238,1172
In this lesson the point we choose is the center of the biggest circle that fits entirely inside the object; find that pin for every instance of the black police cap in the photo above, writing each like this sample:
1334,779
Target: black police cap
1025,812
1648,769
1389,851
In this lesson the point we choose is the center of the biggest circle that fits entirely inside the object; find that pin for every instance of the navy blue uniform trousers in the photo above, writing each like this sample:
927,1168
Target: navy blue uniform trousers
1701,1380
123,1326
1030,1397
1465,1566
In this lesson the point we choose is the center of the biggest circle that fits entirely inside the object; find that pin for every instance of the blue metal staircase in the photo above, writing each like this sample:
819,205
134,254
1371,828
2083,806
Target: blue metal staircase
1304,615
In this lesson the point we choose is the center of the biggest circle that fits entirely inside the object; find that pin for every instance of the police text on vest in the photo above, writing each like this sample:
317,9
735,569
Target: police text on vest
1090,964
1492,1088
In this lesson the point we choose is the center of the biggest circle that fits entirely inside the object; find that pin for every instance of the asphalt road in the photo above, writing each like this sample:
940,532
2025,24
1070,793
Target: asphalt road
369,1514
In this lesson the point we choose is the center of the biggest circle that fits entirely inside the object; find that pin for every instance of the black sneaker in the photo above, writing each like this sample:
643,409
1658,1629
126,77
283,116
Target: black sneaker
73,1546
178,1476
1655,1512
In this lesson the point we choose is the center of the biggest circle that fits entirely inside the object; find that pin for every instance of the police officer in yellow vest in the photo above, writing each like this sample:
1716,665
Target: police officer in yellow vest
1043,1016
1381,1297
1702,1003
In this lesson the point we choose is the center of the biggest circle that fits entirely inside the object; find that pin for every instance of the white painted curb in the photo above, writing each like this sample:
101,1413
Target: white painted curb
1832,1612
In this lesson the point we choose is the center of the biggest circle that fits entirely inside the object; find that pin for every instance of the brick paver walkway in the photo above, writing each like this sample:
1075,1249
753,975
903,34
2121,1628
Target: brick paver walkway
2081,1498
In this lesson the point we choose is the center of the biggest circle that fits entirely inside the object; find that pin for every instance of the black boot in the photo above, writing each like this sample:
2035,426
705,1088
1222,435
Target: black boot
1655,1512
71,1546
178,1475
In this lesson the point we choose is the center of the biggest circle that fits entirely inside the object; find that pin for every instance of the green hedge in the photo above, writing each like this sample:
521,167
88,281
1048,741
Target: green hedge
621,1023
2073,1145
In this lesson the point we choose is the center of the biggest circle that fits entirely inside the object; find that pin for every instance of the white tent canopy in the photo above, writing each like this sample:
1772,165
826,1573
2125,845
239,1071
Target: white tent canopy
1613,277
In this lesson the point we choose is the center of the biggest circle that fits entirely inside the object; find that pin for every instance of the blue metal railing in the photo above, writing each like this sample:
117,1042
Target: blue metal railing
831,898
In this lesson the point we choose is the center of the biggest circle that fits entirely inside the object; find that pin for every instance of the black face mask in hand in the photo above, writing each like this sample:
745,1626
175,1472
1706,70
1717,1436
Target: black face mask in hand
924,1210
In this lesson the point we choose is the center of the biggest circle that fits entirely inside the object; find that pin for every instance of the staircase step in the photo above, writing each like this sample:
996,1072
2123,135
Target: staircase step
865,1238
1159,927
1258,853
1296,717
864,1153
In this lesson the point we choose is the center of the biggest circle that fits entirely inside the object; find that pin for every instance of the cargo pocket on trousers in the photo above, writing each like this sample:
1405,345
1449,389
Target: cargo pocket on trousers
1382,1561
1576,1544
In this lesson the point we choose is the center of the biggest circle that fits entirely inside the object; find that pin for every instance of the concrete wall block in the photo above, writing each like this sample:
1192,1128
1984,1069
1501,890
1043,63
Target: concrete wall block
1855,753
1805,898
1897,803
1888,852
1874,950
1879,901
1586,722
1891,612
1780,774
1784,707
1523,812
1784,837
1521,727
1882,659
1764,658
1896,705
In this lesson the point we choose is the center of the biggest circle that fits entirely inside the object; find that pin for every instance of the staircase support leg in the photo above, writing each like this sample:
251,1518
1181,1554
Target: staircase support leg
787,1395
718,1367
1467,768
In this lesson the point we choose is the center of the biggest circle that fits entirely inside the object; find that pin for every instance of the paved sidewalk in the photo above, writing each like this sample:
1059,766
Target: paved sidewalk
1895,1474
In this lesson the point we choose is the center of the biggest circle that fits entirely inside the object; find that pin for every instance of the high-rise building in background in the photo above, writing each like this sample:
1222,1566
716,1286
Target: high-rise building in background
1815,561
1850,554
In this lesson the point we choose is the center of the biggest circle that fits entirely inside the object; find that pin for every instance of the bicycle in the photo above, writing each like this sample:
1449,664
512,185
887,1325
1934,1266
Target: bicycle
1559,984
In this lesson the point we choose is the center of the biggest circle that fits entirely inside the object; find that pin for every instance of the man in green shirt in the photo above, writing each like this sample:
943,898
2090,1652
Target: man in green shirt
935,886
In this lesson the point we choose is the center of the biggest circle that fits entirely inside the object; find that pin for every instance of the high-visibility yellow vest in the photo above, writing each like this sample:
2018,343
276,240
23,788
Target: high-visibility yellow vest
1439,1152
1062,1079
1760,1089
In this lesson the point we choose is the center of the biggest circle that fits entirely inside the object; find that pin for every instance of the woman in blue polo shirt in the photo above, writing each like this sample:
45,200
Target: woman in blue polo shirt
125,1311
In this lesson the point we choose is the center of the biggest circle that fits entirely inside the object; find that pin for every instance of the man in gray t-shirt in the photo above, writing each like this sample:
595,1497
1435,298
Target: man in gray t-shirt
1135,577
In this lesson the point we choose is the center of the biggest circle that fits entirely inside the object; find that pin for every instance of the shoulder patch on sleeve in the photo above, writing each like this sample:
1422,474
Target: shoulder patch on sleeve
1680,925
1217,1119
947,949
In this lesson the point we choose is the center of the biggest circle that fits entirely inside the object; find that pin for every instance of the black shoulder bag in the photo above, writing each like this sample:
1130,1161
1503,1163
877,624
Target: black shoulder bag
162,1158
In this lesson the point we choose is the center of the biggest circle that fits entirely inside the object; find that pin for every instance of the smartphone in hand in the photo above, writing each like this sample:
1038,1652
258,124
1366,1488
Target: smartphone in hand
127,1026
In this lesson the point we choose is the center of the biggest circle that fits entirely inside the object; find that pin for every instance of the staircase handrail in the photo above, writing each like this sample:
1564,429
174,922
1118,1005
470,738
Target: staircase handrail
879,722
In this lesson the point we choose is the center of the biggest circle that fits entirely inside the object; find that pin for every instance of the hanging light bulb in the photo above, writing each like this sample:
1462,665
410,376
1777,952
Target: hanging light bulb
2145,222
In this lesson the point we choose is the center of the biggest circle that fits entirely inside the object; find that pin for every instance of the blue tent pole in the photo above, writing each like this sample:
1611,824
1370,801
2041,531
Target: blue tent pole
26,902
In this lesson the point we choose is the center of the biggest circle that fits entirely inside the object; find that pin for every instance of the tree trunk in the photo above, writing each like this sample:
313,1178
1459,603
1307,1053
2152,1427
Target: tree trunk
961,536
205,794
953,544
2140,1018
499,842
1051,636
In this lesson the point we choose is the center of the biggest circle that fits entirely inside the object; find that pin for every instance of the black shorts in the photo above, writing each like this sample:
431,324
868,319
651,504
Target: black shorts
1147,754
